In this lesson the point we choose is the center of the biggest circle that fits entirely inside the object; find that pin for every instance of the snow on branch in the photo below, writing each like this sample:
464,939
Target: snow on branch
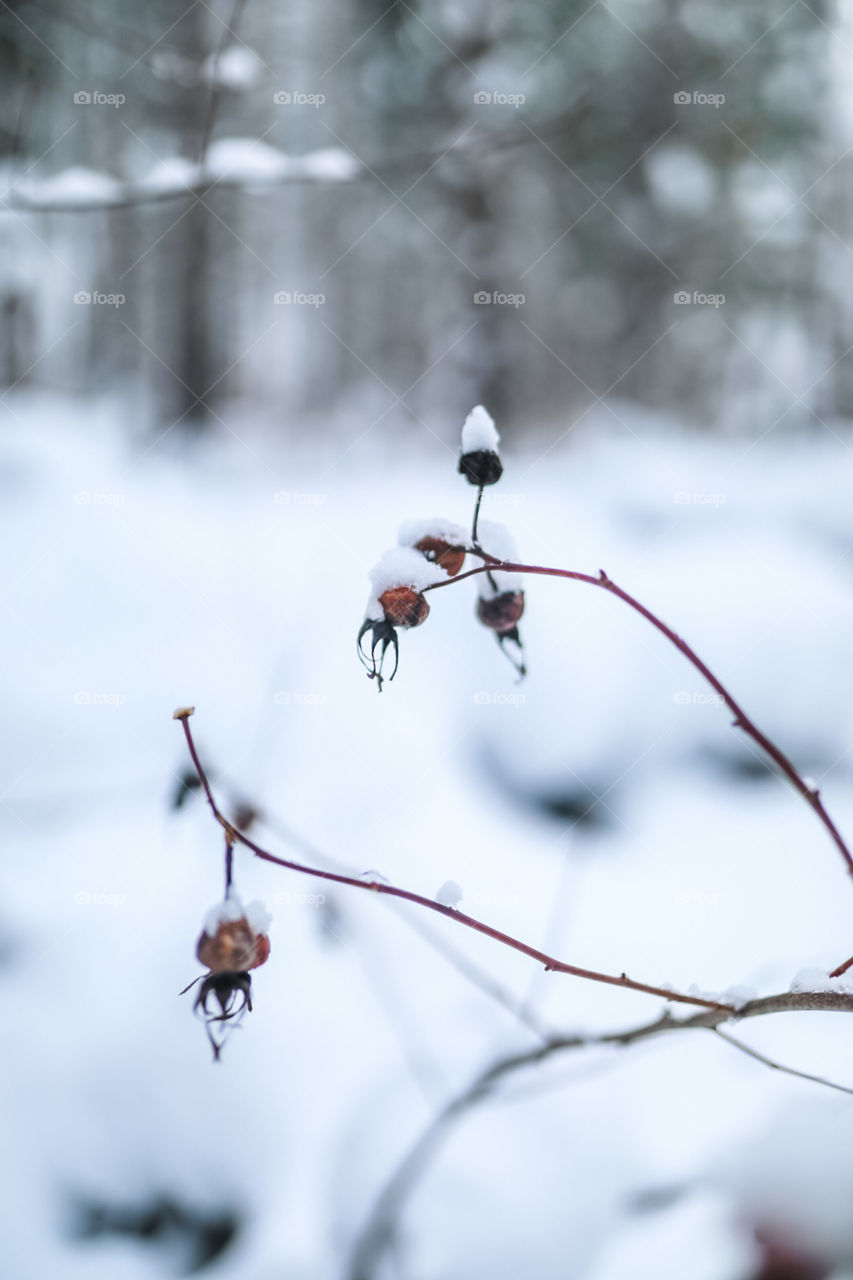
235,163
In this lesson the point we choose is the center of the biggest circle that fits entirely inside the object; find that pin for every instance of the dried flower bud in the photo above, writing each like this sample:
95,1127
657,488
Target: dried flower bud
245,815
501,612
480,462
233,942
404,607
481,468
448,557
235,947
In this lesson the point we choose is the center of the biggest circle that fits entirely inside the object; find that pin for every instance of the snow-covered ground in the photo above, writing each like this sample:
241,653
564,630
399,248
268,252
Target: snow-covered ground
231,574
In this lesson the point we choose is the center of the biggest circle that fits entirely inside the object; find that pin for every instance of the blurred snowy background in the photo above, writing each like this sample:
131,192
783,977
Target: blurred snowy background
257,266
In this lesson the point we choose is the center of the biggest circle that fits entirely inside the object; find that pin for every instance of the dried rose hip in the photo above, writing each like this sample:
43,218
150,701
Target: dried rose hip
501,612
448,557
404,607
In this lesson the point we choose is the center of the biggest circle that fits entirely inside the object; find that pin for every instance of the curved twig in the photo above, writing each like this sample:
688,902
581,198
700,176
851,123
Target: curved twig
381,1227
741,720
377,886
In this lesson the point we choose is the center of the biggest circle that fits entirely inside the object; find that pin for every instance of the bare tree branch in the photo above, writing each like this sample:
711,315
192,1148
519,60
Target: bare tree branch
132,195
382,1225
779,1066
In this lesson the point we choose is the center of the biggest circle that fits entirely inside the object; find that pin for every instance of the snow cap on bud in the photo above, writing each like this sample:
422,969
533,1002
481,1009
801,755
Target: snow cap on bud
398,582
405,569
480,461
441,542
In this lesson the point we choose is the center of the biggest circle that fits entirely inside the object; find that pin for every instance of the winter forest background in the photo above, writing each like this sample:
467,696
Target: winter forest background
258,264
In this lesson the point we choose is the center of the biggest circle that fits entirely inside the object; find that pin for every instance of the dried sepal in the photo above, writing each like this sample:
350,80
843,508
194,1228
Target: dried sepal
382,638
233,995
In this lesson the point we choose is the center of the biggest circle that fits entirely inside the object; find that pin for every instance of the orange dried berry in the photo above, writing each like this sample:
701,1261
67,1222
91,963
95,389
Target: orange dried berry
234,948
501,612
404,607
448,557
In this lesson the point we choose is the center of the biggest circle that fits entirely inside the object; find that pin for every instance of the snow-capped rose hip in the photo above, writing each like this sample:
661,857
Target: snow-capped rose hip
397,600
447,557
501,612
233,941
404,607
439,541
233,948
480,461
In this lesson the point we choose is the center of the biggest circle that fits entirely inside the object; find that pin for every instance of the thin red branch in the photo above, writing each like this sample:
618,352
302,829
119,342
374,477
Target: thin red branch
376,886
741,720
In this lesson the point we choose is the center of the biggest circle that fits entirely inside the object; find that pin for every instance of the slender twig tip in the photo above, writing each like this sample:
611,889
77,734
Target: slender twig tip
183,713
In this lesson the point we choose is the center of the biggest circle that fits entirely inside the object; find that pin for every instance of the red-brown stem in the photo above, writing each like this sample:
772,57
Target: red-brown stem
376,886
842,968
741,720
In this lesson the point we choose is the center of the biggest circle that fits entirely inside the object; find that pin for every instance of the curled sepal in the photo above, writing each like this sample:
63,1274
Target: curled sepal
383,638
507,638
232,993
